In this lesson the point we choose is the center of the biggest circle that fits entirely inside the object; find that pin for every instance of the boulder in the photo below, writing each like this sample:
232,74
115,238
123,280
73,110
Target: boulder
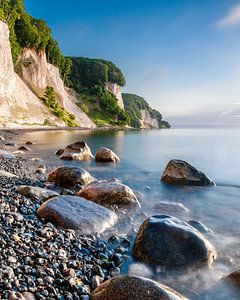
127,287
181,172
109,193
172,243
70,176
7,155
78,150
35,192
104,154
71,212
24,148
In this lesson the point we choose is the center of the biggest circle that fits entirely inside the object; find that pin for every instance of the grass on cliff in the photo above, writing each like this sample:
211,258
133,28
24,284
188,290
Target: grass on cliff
49,99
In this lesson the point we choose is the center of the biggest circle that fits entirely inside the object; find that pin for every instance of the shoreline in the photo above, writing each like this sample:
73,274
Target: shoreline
55,256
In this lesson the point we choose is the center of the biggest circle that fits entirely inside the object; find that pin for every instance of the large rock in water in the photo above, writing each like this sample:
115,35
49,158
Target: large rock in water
70,212
172,243
109,193
181,172
78,150
127,287
104,154
70,176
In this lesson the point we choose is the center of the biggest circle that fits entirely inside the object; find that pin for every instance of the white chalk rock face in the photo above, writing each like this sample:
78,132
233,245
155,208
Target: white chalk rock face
115,89
18,104
109,193
104,154
37,73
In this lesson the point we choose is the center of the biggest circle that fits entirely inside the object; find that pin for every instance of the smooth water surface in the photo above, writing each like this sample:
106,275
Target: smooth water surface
144,155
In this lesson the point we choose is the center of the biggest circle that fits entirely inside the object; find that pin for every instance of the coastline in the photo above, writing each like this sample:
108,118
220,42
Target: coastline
53,255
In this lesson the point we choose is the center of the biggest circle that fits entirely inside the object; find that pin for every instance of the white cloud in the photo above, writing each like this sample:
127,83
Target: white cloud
232,18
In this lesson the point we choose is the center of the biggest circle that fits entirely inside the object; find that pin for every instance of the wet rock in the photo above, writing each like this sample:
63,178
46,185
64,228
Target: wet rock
34,192
171,207
6,174
182,173
70,212
132,288
199,226
234,279
104,154
70,176
172,243
30,143
78,151
7,155
11,144
108,193
59,152
24,148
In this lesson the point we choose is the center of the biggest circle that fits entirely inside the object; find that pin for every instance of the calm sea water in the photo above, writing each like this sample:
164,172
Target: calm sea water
144,154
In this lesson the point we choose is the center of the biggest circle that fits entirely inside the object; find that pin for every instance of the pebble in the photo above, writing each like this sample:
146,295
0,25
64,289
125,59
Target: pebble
39,259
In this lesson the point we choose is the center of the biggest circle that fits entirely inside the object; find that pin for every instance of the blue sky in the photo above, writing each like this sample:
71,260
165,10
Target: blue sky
183,56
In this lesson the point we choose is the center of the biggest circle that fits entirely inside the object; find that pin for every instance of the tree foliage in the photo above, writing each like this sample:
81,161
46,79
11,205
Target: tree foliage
28,32
134,104
49,99
88,72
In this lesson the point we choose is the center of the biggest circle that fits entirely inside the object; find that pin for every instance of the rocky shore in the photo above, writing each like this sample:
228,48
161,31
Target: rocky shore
52,223
39,260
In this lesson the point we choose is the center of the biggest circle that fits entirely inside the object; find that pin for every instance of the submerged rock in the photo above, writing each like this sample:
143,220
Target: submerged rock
199,226
127,287
171,207
34,192
70,176
172,243
24,148
109,193
70,212
104,154
181,172
78,151
234,279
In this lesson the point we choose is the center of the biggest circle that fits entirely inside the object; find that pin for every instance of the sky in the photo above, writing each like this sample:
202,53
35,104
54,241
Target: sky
182,56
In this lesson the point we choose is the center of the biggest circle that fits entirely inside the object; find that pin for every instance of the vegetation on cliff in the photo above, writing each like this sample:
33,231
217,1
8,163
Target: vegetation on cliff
28,32
88,78
49,99
134,105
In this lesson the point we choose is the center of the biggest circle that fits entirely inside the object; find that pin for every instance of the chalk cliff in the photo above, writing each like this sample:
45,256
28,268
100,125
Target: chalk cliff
115,89
18,104
37,73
